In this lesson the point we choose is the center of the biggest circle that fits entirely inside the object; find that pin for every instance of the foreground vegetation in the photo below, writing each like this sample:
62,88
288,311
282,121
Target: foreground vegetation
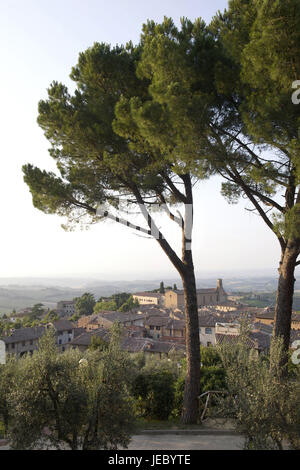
262,397
67,400
98,399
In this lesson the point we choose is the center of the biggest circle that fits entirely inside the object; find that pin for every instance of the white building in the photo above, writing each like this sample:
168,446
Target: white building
149,298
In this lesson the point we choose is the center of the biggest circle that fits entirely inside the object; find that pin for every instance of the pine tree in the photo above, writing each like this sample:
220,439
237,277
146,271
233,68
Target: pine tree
106,141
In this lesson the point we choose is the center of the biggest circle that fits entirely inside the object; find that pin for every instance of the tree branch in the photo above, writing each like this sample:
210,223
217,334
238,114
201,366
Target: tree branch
153,229
164,206
173,257
178,194
248,193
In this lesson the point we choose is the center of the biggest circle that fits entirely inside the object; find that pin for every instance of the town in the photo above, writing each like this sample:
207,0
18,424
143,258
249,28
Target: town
155,325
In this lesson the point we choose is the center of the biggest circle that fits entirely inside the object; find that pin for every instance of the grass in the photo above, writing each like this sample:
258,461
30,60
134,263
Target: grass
256,303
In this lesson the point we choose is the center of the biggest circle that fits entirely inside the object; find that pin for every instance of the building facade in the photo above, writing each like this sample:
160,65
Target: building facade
175,298
25,340
268,315
149,298
66,307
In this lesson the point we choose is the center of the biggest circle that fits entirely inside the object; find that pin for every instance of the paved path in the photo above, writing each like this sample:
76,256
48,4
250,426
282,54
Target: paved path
186,442
182,440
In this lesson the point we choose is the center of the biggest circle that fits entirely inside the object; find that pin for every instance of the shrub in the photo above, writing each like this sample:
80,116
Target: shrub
210,356
263,400
178,396
212,378
83,402
154,393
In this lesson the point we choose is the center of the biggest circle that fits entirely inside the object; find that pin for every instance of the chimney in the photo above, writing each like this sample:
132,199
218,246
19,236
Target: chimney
219,284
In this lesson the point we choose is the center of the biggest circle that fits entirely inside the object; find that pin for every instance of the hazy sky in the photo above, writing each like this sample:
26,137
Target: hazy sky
40,42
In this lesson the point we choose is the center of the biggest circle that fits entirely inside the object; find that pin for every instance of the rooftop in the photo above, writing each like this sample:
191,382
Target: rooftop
256,340
148,294
62,325
210,319
24,334
269,314
85,339
132,344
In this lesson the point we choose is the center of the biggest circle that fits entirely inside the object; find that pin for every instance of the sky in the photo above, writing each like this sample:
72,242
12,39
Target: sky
40,42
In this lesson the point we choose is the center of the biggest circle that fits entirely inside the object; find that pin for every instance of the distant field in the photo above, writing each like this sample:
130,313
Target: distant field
267,299
13,297
18,297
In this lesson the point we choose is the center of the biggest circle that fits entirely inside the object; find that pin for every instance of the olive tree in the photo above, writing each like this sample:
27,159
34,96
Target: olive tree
67,401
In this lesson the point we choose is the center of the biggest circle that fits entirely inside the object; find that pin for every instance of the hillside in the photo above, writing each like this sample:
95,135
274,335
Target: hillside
21,293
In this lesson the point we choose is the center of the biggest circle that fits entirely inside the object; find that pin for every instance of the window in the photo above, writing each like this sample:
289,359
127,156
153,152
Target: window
59,341
151,327
31,342
158,328
23,343
208,331
70,332
208,343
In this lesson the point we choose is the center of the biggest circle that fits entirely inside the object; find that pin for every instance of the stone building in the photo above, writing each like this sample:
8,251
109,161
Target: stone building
165,328
106,319
84,340
268,314
149,298
65,307
64,331
25,340
175,298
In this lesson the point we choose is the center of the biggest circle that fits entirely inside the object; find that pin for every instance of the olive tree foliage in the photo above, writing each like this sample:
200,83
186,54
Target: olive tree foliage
67,401
154,384
265,408
7,374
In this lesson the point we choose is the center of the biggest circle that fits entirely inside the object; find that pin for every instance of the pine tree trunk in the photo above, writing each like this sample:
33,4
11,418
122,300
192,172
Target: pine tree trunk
185,268
190,411
285,292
